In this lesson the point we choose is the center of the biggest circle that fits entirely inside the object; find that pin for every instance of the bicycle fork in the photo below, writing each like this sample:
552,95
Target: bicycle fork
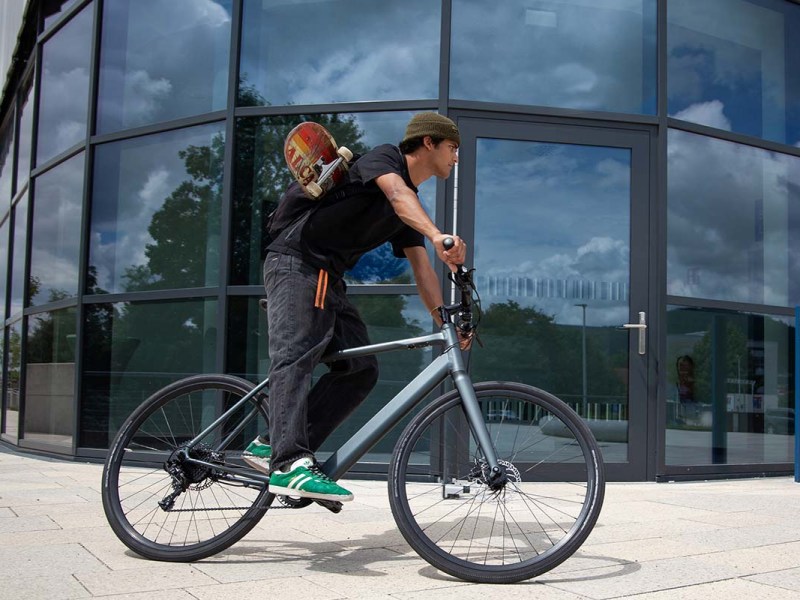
496,478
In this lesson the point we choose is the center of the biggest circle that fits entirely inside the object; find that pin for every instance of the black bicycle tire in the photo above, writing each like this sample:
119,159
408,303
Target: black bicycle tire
110,492
496,573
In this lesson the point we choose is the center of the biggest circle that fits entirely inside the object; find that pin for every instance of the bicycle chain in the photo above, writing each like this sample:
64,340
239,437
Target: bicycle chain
265,508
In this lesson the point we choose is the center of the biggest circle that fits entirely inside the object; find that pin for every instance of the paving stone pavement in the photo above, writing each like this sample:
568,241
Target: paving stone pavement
720,539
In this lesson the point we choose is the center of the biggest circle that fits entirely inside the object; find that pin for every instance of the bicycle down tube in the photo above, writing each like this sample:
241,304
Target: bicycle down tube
398,407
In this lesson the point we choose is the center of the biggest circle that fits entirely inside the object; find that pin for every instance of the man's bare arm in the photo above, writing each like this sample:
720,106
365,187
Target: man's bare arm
410,210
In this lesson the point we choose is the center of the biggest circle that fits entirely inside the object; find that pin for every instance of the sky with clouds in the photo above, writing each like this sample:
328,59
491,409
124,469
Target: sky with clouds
554,213
301,52
133,179
55,245
163,60
733,64
733,219
64,98
574,54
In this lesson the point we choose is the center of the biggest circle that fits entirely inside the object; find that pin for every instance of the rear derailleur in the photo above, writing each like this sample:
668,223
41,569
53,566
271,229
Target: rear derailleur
186,475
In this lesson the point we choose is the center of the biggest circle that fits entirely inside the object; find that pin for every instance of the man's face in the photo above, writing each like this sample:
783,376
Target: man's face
444,157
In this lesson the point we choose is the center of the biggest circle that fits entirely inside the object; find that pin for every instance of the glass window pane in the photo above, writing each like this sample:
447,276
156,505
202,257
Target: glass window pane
248,344
162,60
18,244
733,222
12,402
156,210
3,289
261,177
6,163
55,234
53,9
134,349
64,92
4,266
553,301
25,134
339,51
598,55
735,65
730,388
50,378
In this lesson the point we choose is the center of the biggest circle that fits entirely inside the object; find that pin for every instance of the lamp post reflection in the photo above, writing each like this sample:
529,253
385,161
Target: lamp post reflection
584,378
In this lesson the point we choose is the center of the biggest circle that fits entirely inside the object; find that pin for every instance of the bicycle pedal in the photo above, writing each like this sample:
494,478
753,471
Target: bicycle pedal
332,505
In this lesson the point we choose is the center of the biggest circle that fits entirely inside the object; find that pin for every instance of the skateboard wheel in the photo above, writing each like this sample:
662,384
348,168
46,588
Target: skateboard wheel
345,153
314,190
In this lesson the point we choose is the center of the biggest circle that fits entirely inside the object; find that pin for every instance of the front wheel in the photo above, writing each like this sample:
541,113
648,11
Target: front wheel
168,499
456,517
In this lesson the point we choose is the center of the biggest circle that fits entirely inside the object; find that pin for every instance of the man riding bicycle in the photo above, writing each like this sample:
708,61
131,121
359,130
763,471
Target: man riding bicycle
309,313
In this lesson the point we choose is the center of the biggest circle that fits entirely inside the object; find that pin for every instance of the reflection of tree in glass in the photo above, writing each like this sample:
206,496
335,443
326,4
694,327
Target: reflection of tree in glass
185,230
524,344
51,338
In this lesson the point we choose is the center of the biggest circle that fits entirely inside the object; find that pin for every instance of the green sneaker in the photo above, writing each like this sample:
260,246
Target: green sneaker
258,455
307,481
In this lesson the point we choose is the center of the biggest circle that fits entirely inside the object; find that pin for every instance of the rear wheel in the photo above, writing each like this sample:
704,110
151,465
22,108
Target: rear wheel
168,501
454,514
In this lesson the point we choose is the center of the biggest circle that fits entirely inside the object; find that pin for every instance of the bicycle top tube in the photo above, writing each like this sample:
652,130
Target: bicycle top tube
457,317
434,339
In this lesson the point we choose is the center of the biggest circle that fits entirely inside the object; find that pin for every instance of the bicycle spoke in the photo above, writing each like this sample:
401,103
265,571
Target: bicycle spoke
474,526
196,501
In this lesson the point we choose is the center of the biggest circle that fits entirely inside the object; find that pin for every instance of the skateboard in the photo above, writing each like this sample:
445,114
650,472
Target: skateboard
314,159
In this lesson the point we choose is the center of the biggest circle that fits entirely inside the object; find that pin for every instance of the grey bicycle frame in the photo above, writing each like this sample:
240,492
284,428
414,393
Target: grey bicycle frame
450,361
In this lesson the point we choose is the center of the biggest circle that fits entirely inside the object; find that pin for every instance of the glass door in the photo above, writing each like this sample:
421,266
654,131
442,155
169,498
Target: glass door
557,222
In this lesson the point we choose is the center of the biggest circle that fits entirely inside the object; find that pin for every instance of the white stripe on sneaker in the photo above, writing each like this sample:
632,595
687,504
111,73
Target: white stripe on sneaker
298,481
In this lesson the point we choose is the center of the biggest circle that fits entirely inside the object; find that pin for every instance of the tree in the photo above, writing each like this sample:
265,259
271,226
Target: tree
524,344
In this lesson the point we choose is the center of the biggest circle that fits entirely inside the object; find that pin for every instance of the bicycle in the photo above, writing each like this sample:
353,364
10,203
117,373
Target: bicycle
494,482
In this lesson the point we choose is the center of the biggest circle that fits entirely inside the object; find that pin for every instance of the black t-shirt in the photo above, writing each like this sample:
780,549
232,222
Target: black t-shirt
351,220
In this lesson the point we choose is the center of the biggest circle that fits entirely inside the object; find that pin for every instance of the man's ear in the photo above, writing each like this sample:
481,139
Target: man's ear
428,142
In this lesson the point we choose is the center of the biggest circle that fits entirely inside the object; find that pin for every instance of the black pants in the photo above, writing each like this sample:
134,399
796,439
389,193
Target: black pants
301,330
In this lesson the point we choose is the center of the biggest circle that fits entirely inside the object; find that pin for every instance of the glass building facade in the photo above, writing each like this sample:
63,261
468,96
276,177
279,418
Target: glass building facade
623,162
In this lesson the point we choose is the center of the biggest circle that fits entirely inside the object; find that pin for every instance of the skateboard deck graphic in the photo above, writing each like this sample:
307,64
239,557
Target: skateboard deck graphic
314,159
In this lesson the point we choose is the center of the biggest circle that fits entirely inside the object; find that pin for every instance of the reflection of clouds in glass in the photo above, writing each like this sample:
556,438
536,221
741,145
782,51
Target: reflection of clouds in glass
710,113
561,234
55,241
18,242
375,51
65,87
66,123
346,75
737,52
588,56
174,61
729,221
126,199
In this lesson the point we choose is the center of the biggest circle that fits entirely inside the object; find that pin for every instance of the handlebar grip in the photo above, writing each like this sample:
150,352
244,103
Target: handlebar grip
448,243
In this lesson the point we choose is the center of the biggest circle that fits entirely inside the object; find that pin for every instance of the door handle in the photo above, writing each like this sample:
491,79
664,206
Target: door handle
642,327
